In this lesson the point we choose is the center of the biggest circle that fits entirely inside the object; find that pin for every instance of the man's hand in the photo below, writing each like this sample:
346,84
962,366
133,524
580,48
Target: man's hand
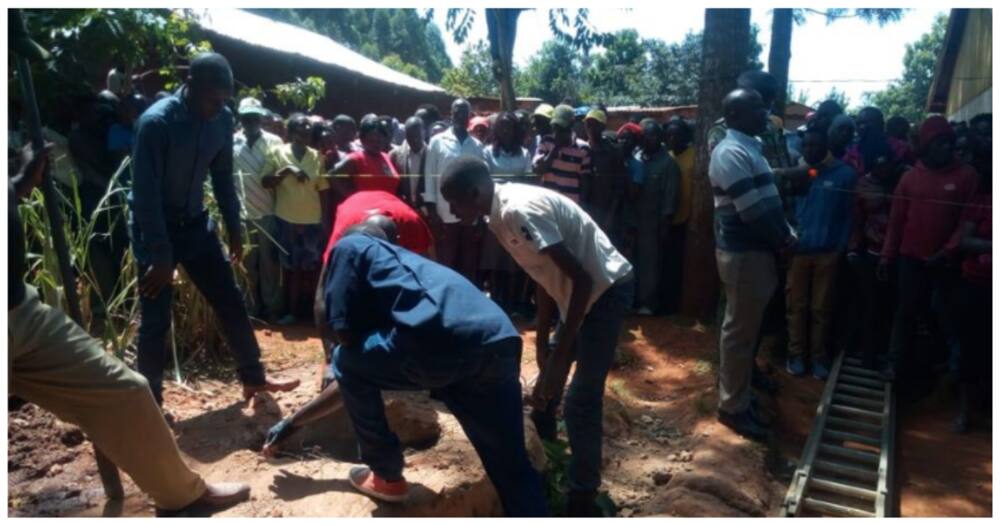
235,247
32,169
302,176
882,271
551,381
156,278
278,433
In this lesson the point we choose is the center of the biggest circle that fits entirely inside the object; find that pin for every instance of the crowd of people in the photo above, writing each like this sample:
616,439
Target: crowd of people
412,244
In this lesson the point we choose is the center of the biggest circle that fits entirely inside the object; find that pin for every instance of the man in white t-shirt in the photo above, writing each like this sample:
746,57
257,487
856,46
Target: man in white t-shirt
579,272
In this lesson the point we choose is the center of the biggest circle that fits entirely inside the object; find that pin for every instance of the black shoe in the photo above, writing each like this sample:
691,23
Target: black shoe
762,382
745,425
757,416
583,504
545,425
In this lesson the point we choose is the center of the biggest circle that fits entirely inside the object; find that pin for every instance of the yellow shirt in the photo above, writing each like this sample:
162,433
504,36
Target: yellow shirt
685,161
297,202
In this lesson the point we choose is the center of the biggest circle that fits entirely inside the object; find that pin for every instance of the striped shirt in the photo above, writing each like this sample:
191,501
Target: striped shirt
571,164
248,166
748,212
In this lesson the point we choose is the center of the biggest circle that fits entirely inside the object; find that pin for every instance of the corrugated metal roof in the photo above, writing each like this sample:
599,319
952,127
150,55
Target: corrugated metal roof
262,31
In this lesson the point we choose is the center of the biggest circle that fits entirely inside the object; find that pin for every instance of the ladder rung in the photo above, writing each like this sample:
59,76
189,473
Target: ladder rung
849,436
835,509
855,380
849,471
859,402
853,425
849,453
864,372
844,489
862,391
856,411
853,361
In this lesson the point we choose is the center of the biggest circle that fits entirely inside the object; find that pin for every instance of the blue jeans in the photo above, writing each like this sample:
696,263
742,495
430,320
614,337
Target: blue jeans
583,411
196,247
484,394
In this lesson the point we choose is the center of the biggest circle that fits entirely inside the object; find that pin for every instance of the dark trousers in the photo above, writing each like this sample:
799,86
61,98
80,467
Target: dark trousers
972,307
916,285
484,394
458,248
197,249
584,408
874,303
673,269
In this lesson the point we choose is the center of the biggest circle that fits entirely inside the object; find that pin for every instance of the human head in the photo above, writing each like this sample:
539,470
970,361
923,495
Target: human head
320,130
629,136
299,129
982,125
541,119
744,111
251,113
210,84
825,113
678,134
898,128
841,134
936,142
275,124
508,133
870,120
595,123
814,145
344,129
479,127
562,125
762,82
372,134
460,113
429,113
414,129
385,224
652,135
468,188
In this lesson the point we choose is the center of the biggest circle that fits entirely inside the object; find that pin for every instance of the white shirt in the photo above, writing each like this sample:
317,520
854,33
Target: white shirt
248,163
504,164
526,219
443,150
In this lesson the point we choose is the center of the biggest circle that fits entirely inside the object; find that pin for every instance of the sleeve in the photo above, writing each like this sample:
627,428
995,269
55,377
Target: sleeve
758,205
897,219
539,230
322,183
343,283
224,185
148,167
544,148
432,170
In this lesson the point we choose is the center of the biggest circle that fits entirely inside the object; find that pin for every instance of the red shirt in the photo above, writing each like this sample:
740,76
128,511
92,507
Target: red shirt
414,235
977,268
375,172
926,208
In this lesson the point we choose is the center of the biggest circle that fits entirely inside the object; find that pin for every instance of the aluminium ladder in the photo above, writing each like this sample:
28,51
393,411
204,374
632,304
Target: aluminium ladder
846,469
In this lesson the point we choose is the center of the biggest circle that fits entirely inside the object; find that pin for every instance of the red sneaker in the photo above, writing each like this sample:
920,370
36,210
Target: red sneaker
370,484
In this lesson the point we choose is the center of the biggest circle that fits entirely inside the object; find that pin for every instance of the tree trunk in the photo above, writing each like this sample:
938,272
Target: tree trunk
725,53
780,55
501,25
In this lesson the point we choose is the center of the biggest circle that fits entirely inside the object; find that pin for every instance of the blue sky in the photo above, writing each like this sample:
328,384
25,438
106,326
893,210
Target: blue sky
858,56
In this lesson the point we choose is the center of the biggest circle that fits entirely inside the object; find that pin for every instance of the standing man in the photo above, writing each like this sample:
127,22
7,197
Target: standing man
541,126
251,146
179,140
562,164
678,136
410,161
458,244
606,186
404,322
750,228
580,275
655,206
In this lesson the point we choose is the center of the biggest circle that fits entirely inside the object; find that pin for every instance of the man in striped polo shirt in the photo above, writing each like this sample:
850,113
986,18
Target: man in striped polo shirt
251,146
750,228
560,161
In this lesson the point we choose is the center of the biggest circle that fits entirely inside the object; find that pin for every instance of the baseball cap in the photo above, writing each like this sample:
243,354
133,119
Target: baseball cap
544,110
581,111
479,121
251,106
598,115
563,116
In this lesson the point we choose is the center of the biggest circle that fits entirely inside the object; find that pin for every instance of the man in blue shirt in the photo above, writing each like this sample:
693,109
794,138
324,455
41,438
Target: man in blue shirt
405,322
179,140
823,217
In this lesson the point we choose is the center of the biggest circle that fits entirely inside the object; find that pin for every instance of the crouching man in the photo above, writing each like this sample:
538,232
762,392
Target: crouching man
55,364
404,322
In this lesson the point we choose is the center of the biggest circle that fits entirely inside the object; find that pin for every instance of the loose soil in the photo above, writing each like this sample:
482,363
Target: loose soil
665,454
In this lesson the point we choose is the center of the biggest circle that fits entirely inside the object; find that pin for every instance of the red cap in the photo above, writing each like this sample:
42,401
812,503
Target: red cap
479,121
933,128
630,127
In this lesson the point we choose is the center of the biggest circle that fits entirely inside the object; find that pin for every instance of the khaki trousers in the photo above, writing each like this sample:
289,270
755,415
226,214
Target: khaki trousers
809,293
53,363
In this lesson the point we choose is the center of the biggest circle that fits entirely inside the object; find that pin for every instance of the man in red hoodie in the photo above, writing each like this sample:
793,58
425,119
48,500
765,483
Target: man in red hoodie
926,209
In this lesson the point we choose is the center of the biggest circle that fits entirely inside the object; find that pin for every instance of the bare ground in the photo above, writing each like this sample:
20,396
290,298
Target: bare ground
664,452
